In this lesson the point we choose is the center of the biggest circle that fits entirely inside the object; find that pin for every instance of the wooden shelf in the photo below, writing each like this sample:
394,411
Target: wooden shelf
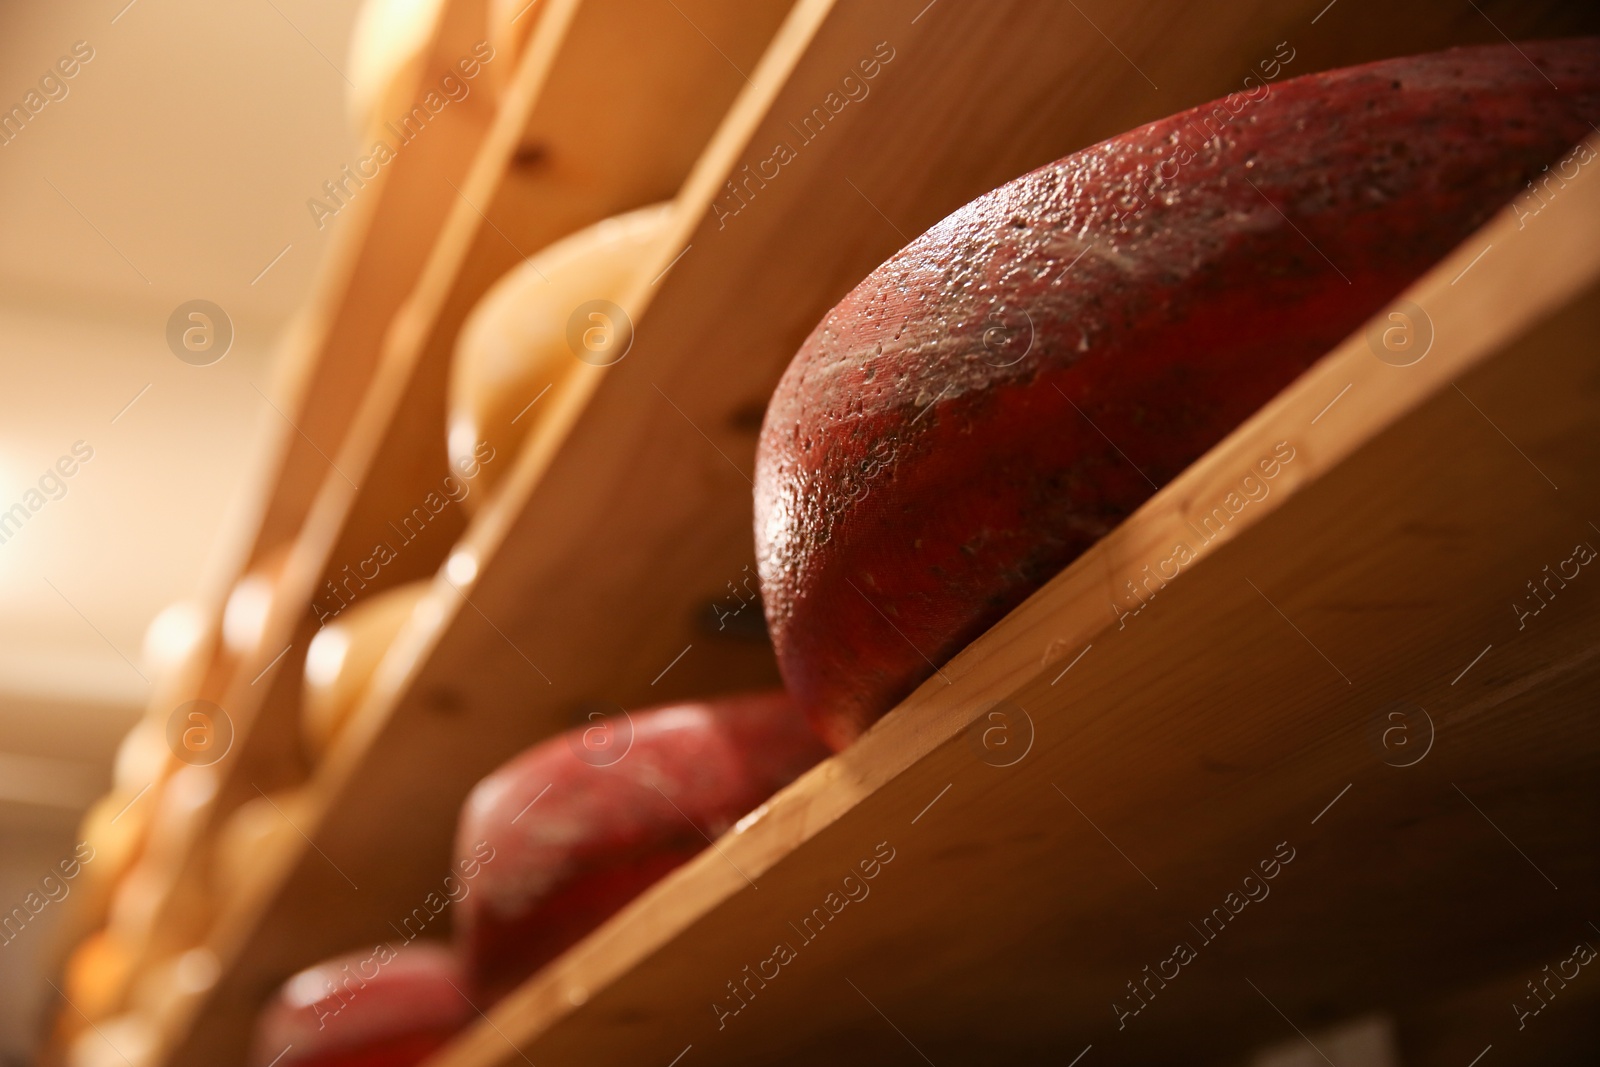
1149,762
609,136
629,510
380,245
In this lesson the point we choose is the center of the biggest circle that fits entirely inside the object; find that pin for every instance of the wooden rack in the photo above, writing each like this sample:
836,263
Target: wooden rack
1173,749
1141,766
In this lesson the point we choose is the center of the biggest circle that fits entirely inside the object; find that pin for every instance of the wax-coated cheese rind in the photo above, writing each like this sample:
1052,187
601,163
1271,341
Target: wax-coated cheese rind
1005,390
386,1005
573,829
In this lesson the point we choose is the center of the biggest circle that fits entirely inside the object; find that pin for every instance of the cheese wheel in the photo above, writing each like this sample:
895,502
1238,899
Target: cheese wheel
344,655
117,825
96,975
515,343
1004,391
511,23
127,1040
555,841
249,606
143,757
388,47
384,1006
178,646
186,798
258,830
180,812
111,834
167,989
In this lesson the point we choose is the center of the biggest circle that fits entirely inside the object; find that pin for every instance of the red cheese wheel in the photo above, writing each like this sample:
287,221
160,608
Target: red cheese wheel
385,1006
1006,389
575,827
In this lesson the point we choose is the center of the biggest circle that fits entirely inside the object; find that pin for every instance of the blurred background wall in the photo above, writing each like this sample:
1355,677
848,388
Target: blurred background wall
174,164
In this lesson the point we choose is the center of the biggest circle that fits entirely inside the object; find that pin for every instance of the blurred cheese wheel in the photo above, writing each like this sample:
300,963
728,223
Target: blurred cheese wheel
118,825
178,645
134,905
629,798
256,831
112,832
345,654
378,1007
172,985
143,757
510,24
185,799
514,345
128,1040
96,975
387,49
180,811
244,618
159,910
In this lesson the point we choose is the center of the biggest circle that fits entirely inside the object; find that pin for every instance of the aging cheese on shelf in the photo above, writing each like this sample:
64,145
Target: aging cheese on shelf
112,832
126,1040
178,646
257,830
174,986
534,329
249,605
556,840
345,654
96,976
155,886
1015,382
388,1005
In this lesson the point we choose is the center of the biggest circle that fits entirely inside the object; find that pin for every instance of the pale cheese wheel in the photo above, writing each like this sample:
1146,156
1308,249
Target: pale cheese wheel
185,800
143,757
387,49
96,975
111,834
256,832
128,1040
167,989
180,812
515,344
249,606
343,657
178,646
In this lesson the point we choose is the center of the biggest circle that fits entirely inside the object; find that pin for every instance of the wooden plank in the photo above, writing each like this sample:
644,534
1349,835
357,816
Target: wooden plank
384,230
381,242
1151,761
608,143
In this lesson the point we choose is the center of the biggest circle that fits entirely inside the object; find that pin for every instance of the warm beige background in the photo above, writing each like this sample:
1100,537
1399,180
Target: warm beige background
187,148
